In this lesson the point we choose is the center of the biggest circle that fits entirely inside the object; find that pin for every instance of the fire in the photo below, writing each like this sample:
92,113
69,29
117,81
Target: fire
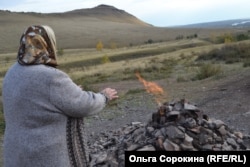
151,87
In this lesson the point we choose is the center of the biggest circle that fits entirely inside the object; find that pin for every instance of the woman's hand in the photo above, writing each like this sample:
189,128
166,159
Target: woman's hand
110,93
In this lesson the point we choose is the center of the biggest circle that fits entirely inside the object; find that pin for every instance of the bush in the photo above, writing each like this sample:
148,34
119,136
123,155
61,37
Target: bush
179,37
60,52
150,41
230,53
246,63
207,70
105,59
181,79
241,37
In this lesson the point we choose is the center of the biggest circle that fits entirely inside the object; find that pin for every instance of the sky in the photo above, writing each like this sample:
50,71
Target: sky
161,13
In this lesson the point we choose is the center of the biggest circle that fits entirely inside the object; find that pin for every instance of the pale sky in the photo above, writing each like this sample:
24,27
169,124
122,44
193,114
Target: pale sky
156,12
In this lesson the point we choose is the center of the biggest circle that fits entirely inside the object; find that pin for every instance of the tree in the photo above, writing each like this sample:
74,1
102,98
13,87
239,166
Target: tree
99,46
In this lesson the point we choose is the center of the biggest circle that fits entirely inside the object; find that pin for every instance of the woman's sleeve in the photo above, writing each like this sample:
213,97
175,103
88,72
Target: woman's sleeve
71,100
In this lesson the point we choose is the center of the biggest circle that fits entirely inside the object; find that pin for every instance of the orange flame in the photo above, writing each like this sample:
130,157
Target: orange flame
151,87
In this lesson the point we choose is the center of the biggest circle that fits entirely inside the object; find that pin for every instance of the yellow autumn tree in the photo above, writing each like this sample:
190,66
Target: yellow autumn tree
99,46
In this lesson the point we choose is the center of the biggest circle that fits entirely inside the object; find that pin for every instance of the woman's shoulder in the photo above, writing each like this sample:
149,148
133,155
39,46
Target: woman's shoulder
40,70
51,72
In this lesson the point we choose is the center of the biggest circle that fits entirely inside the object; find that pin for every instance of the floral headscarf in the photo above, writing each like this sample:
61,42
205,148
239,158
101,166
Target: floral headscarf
37,46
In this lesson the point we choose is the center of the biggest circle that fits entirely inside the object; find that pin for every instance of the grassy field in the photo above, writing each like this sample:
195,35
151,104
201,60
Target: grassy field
176,59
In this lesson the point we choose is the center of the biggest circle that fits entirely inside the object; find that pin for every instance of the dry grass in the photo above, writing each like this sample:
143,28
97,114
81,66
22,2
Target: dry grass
149,59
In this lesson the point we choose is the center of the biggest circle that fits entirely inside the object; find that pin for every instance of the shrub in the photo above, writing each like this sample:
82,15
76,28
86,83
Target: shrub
230,53
179,37
60,52
192,36
246,63
207,70
241,37
105,59
150,41
181,79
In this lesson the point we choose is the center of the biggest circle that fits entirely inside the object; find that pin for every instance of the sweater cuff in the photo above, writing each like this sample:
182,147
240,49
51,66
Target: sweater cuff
106,97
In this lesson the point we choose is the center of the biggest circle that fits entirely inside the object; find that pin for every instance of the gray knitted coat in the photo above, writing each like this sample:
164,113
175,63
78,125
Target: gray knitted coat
43,110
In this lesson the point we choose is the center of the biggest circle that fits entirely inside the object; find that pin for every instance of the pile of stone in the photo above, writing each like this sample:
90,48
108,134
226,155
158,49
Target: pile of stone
176,126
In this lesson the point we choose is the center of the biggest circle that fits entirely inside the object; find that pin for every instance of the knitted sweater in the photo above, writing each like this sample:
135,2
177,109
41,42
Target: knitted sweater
39,105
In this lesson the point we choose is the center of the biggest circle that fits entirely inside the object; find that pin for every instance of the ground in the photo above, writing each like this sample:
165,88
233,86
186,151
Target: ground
225,98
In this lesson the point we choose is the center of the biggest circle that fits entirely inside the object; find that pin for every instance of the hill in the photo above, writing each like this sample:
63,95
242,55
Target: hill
83,28
108,13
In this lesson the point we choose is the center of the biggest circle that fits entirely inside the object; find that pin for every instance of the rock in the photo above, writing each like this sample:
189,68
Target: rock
147,148
150,129
207,147
188,140
174,133
133,147
222,130
170,146
218,123
190,123
232,142
238,134
190,107
136,123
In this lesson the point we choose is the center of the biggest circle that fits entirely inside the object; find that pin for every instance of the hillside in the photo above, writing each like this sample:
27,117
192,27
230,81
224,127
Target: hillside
83,28
108,13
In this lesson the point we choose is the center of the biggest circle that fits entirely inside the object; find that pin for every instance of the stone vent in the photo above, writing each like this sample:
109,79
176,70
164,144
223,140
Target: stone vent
175,126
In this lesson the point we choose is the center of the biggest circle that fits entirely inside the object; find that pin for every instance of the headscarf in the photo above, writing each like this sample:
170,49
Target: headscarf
37,46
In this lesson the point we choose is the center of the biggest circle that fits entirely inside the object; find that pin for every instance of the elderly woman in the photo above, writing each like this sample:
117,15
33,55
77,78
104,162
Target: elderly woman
44,108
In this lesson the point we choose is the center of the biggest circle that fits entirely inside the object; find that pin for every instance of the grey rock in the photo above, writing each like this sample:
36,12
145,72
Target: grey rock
147,148
173,132
170,146
218,123
232,142
222,130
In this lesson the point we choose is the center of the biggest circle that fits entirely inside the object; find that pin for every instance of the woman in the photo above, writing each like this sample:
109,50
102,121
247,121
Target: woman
44,109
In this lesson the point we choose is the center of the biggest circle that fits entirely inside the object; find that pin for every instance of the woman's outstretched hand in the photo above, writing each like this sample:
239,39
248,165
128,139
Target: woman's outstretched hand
110,93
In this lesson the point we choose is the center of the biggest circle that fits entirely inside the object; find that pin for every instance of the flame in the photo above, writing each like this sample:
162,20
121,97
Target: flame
151,87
